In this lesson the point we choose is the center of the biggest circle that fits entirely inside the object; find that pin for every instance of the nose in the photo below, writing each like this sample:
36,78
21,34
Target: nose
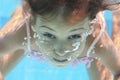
61,51
62,48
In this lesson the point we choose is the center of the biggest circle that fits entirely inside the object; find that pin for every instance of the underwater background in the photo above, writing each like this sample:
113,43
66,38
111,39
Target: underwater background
30,69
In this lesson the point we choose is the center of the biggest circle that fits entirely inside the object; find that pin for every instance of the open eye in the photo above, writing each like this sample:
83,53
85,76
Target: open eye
76,36
48,35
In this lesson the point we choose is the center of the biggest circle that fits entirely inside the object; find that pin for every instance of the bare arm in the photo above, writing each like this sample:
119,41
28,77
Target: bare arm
12,35
11,39
116,29
93,71
116,32
9,61
99,71
104,73
108,54
114,47
116,41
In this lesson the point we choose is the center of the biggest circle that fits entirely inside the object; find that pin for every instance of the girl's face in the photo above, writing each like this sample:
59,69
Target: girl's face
60,41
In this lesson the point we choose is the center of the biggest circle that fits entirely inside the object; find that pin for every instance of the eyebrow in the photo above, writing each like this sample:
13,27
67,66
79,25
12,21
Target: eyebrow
47,28
77,29
55,31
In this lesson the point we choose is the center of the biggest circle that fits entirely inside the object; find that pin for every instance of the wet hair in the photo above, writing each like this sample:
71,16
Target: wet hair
53,7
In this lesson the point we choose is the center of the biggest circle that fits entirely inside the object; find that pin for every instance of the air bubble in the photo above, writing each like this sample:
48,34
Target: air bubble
41,41
25,38
99,59
76,45
23,43
69,59
67,51
93,51
36,35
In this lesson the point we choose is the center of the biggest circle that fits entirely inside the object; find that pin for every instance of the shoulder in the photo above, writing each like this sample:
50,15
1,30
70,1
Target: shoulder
100,37
16,26
13,33
14,22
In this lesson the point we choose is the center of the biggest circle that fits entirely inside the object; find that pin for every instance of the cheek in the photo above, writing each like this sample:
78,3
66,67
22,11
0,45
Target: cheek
45,46
82,47
79,51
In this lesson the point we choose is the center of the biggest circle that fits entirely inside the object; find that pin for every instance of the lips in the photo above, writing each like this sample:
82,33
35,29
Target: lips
60,60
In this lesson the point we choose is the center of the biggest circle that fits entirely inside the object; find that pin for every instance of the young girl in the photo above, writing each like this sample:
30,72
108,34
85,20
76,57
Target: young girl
61,32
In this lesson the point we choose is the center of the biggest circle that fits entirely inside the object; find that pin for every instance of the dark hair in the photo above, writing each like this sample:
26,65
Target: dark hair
44,7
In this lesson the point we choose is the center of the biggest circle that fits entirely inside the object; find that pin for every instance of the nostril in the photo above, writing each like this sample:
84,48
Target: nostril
61,52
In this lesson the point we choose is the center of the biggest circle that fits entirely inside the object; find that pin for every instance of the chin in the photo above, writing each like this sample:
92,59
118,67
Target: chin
60,65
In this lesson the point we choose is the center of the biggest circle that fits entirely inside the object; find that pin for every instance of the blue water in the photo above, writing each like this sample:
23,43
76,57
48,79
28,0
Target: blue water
108,17
30,69
6,9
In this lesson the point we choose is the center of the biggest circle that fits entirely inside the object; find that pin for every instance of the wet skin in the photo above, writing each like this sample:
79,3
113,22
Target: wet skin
57,36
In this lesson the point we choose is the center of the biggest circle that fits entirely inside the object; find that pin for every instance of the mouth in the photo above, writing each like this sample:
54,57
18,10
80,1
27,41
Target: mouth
60,60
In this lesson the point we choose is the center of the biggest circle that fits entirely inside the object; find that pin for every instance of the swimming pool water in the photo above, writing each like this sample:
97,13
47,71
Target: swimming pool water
30,69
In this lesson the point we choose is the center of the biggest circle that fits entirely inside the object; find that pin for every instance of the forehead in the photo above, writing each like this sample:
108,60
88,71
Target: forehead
71,18
61,20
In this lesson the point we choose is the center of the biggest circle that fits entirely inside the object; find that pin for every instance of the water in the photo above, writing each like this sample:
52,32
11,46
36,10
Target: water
6,9
30,69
